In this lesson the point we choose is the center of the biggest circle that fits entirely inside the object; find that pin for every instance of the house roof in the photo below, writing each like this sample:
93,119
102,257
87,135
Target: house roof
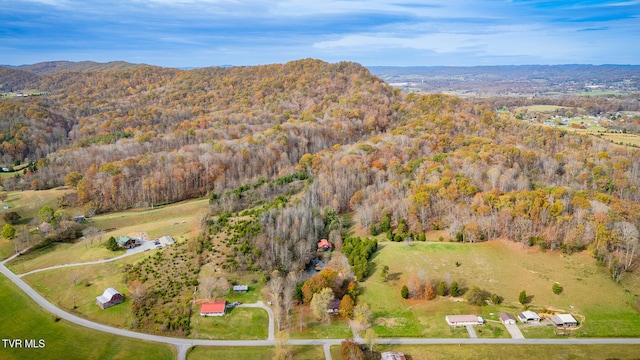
323,243
567,318
392,355
241,288
461,318
529,315
107,295
215,307
506,316
166,240
122,239
334,304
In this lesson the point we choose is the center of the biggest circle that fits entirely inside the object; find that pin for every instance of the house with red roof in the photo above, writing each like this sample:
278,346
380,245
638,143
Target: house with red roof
215,308
324,245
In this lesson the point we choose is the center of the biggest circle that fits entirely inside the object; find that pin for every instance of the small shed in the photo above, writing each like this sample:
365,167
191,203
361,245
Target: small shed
215,308
507,318
240,288
564,320
528,315
324,245
109,298
463,320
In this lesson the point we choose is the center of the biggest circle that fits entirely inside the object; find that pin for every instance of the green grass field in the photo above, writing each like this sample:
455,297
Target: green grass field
90,281
503,268
180,220
21,318
542,352
253,353
236,324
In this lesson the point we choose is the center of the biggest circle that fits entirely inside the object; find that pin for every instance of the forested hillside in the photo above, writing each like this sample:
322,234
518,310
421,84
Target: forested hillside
403,164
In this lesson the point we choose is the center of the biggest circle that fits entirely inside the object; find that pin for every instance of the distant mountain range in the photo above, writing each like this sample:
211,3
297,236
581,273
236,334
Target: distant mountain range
512,80
52,67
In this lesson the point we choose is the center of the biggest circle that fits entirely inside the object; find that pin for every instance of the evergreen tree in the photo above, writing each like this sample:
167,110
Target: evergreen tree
523,297
453,289
404,292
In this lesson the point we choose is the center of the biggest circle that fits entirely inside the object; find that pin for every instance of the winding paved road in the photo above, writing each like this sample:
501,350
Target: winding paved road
183,345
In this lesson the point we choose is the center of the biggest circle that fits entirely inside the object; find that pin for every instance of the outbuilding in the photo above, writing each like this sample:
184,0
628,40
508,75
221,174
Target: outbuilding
215,308
528,315
463,320
240,288
109,298
507,318
564,320
166,240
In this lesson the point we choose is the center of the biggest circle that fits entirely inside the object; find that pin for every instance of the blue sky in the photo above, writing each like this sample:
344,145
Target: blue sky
195,33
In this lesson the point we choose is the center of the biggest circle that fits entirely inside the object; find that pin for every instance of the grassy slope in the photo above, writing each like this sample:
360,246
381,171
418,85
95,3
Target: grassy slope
58,287
21,318
27,204
506,269
180,220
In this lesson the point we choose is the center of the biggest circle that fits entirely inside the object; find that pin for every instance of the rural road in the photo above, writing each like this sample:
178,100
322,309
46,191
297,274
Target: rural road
183,345
147,245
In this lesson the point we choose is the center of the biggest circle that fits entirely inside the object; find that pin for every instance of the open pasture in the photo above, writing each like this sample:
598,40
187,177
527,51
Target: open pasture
180,220
504,268
80,285
21,318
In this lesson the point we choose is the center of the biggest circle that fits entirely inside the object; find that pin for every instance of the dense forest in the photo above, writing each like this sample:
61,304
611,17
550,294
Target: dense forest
401,163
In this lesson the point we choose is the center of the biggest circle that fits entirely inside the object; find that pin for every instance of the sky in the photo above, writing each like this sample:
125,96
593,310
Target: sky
199,33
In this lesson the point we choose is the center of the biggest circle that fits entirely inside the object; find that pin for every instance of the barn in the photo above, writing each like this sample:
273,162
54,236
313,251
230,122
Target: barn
109,298
215,308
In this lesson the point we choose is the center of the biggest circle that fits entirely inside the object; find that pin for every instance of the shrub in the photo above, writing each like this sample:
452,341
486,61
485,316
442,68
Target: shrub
12,217
496,299
404,292
453,289
477,296
556,288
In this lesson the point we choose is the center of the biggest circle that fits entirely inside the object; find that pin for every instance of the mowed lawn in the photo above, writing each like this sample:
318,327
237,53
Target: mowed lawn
253,353
236,324
180,220
80,285
504,268
22,319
